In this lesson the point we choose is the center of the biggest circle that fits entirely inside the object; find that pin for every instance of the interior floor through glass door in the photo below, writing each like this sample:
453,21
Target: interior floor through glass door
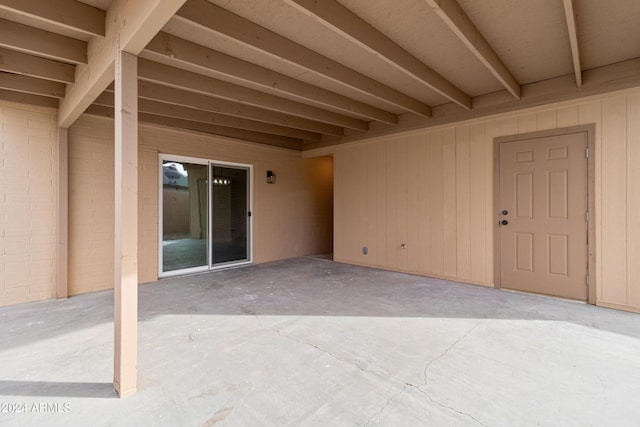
184,215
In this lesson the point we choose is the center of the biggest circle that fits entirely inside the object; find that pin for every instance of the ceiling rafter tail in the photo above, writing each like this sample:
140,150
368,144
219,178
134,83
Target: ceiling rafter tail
340,19
459,22
35,86
244,135
185,53
199,83
26,39
65,13
28,98
21,63
570,15
171,95
220,21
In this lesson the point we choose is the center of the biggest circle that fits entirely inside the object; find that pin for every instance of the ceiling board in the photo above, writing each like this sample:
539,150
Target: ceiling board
529,36
306,31
608,34
43,25
413,26
200,36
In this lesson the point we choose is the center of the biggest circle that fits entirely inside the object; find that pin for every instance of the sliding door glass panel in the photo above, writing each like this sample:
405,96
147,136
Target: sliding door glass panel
184,215
229,214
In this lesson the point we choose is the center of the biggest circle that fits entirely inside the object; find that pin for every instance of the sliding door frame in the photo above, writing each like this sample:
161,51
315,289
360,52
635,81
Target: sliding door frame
210,164
249,260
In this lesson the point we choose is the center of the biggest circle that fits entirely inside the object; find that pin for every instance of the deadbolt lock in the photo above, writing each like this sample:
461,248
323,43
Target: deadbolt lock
505,212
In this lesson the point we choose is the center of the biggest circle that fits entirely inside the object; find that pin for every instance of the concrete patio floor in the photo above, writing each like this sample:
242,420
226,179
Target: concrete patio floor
310,342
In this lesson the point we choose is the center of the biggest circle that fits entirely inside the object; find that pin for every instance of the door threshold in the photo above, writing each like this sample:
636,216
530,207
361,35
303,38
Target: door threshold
545,296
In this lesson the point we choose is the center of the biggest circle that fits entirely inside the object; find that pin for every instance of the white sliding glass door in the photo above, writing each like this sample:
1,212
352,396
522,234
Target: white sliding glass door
205,215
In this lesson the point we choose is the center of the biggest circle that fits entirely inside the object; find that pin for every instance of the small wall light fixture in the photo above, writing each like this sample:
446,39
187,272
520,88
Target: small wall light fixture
271,177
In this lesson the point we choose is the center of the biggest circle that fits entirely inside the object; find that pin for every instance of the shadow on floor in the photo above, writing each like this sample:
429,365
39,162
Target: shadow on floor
56,389
305,286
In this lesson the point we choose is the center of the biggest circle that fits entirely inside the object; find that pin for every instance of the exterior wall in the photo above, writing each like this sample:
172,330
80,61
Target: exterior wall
91,195
285,223
432,189
28,203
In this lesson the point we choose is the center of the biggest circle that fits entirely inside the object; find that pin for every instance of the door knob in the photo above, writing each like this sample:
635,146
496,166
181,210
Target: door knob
505,212
504,222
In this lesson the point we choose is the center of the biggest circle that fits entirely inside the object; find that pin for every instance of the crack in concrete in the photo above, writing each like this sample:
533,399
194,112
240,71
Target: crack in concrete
377,414
339,359
451,408
444,353
391,377
254,314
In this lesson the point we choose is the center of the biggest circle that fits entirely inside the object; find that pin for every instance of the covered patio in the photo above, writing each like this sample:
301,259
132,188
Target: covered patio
308,341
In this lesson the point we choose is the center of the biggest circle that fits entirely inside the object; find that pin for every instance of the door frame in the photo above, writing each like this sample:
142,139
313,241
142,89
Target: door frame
589,130
205,162
249,260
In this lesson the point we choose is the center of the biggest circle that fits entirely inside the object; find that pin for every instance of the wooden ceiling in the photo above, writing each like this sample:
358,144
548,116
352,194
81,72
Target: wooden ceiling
303,74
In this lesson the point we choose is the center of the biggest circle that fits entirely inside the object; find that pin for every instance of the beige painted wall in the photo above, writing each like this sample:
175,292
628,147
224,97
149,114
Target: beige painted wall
290,218
433,190
28,198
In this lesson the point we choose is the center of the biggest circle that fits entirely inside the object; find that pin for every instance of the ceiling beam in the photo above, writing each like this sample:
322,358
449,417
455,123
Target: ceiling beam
31,85
240,134
29,65
65,13
198,83
28,98
171,95
570,15
183,53
42,43
459,22
220,21
180,112
130,25
343,21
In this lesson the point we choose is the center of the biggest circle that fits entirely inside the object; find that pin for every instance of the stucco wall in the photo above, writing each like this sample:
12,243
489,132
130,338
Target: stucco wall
285,220
433,190
28,198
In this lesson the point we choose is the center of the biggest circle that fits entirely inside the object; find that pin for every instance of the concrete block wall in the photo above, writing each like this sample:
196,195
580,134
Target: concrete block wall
91,195
28,203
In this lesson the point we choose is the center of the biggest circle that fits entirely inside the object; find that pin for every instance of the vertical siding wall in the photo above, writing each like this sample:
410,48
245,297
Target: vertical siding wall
433,191
28,198
285,220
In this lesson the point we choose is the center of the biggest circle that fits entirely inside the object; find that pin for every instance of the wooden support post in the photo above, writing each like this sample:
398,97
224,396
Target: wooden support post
126,224
63,214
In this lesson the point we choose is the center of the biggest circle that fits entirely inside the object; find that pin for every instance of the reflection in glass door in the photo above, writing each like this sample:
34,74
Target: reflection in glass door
184,215
229,214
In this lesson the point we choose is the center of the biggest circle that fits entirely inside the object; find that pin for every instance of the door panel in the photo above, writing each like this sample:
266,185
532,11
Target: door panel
543,189
229,214
184,215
